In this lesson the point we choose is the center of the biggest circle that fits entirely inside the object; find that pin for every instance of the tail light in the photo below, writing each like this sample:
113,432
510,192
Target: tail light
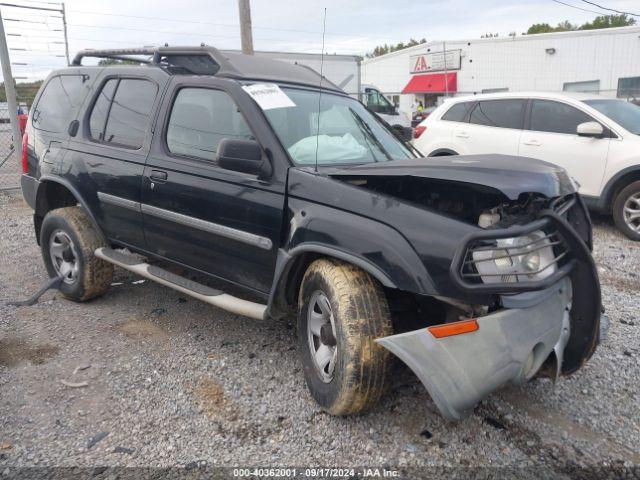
25,156
419,130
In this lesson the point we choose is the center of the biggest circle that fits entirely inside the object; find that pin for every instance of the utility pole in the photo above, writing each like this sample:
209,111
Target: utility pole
245,26
10,90
66,40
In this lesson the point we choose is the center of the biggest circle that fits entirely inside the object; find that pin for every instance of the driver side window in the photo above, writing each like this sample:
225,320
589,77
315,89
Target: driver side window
200,119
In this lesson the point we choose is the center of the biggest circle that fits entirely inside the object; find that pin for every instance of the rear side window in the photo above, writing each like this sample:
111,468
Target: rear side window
98,118
457,112
556,117
122,112
499,113
59,102
200,119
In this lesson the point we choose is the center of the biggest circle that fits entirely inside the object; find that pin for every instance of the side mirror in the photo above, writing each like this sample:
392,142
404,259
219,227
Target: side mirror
590,129
241,156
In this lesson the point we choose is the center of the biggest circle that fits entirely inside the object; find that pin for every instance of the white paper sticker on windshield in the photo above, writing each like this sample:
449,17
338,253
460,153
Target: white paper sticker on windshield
268,96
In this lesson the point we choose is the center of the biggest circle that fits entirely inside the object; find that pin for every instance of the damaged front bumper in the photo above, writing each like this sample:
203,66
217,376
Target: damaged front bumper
557,317
509,346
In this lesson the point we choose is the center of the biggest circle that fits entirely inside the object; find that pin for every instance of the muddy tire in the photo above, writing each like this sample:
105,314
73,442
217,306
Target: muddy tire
342,310
67,241
626,211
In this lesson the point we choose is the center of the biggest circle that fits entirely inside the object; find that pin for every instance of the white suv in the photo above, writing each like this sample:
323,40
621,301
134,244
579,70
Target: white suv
596,139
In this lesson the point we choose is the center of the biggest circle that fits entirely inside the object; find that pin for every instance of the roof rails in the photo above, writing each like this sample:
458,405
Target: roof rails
202,60
205,60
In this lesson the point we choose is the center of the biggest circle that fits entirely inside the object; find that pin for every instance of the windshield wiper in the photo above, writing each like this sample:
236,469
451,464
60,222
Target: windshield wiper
366,129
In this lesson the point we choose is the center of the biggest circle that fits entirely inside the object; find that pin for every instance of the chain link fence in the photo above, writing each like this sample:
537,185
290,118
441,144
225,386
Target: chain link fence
9,167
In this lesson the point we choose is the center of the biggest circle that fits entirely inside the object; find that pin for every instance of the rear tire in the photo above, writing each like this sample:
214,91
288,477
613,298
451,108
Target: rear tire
626,211
345,370
68,241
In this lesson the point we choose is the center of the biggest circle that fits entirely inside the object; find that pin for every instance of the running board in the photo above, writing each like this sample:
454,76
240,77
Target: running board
209,295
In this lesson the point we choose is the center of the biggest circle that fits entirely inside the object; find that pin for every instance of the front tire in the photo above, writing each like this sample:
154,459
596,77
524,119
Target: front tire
342,310
626,211
68,241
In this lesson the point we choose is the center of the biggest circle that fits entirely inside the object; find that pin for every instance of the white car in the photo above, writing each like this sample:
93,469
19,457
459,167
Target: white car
596,139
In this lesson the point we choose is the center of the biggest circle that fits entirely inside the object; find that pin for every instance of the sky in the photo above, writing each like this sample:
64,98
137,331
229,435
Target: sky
352,26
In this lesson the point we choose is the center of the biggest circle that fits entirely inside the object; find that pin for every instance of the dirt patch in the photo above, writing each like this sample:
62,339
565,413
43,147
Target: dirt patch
14,351
144,329
211,397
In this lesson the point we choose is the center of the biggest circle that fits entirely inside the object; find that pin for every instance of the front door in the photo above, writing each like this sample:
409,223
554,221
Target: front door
551,136
218,221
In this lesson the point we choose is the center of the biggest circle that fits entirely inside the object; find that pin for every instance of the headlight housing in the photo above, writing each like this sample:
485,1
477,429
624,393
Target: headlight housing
518,259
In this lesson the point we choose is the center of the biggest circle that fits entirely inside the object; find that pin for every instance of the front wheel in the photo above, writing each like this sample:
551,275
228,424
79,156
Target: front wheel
626,211
68,241
342,310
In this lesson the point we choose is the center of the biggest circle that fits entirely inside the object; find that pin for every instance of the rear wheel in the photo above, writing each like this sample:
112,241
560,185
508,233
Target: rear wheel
68,241
342,310
626,211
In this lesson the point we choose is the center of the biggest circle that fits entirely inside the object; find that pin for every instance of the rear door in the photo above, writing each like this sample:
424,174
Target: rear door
494,126
107,157
551,136
218,221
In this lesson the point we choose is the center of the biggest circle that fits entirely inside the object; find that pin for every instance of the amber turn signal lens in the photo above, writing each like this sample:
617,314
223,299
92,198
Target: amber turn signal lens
455,328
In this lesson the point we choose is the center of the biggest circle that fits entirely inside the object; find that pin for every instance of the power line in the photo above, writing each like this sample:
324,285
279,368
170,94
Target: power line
31,7
27,21
191,34
577,8
142,17
611,9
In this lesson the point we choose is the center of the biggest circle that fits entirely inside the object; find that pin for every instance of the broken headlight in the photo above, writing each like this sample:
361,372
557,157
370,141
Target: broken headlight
518,259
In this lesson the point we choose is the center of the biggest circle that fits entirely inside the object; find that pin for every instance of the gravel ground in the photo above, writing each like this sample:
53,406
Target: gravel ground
173,381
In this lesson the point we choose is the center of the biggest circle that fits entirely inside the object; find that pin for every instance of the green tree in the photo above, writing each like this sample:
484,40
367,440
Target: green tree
539,28
601,21
384,49
609,21
25,91
105,62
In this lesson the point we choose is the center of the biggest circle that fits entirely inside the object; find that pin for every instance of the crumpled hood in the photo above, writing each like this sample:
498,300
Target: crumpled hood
510,174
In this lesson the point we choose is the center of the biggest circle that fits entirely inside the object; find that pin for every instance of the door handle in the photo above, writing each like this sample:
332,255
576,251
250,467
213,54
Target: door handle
158,176
532,143
462,135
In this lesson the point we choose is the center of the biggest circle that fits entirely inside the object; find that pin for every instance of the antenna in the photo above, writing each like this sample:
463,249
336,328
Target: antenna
324,27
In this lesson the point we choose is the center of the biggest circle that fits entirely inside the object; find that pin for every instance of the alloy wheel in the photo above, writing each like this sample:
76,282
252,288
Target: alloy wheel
322,336
64,256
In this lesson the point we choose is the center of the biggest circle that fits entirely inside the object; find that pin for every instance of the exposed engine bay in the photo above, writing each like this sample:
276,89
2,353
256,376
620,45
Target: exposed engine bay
476,204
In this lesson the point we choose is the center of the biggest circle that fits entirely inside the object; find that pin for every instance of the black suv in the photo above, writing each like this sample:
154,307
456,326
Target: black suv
261,176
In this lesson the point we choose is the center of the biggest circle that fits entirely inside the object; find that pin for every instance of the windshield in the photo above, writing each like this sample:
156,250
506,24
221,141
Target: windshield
624,113
348,133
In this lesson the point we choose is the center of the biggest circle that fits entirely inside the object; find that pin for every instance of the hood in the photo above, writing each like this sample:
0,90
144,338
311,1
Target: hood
509,174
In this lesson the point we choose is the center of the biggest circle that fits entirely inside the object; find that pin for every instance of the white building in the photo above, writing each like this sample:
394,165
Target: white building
605,61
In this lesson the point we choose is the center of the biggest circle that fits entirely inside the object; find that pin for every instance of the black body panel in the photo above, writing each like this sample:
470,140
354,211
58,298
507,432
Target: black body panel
511,175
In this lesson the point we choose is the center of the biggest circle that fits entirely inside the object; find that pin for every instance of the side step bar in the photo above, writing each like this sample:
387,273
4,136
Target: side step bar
213,297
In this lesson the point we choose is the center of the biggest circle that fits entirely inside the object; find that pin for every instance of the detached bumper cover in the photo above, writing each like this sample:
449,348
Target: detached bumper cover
509,346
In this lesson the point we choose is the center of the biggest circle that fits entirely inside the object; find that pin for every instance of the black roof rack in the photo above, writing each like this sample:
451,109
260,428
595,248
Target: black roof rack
206,60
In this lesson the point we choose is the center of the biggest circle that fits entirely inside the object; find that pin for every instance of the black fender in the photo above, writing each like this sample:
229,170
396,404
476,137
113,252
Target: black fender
40,199
317,230
604,202
442,151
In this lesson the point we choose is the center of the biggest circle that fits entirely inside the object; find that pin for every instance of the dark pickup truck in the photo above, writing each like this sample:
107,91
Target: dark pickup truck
267,179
